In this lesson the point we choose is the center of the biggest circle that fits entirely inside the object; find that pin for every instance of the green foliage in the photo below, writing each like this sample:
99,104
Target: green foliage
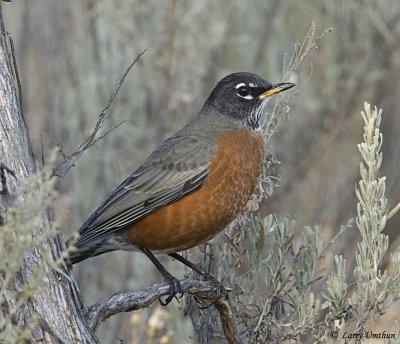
376,289
336,288
272,288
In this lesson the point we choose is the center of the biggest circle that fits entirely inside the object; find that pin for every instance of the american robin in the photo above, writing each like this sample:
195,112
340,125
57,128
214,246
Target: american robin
192,186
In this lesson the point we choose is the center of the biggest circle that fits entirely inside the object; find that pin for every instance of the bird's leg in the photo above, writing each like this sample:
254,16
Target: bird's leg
174,284
204,274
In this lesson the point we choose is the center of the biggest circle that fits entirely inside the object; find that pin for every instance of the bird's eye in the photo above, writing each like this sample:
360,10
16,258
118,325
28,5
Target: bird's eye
243,91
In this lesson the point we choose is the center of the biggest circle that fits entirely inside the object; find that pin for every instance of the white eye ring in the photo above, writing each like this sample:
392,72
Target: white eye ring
243,91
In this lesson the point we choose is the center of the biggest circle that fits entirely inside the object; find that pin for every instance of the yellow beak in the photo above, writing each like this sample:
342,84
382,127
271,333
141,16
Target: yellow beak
276,88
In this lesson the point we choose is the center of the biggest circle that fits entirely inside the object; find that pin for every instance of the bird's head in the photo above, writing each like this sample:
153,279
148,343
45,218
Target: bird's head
243,96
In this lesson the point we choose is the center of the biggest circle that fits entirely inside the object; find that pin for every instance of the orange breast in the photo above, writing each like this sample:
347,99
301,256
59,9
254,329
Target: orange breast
200,215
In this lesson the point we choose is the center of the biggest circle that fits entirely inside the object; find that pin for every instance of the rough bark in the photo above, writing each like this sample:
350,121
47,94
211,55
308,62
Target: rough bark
59,306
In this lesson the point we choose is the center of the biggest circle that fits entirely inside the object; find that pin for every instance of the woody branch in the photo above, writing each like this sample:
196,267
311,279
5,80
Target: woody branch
132,301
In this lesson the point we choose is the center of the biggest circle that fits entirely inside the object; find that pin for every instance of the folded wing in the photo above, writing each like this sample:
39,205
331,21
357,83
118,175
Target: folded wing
177,167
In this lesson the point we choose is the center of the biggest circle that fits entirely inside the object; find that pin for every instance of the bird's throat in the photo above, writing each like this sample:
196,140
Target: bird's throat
254,120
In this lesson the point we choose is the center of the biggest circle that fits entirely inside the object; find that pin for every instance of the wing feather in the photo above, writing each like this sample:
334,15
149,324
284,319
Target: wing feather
171,172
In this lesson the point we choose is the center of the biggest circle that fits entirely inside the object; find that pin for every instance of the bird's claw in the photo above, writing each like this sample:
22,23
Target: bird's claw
221,290
174,289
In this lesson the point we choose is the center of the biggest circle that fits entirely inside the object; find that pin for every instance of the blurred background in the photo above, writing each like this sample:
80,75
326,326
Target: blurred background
71,55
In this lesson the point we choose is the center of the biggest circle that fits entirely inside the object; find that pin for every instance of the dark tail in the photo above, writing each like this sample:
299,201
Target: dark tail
86,251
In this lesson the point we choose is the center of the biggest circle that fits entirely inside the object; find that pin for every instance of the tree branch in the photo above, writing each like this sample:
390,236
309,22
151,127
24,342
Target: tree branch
69,160
227,320
131,301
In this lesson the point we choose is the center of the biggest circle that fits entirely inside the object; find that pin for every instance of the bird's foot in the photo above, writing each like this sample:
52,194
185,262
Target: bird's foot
174,288
221,290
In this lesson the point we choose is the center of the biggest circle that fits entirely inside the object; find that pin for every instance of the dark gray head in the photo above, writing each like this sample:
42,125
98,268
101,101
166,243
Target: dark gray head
243,96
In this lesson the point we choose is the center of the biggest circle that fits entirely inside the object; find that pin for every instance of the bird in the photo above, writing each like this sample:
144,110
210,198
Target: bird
192,186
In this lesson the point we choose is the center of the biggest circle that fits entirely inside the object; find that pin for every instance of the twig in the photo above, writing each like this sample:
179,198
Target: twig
343,228
42,150
106,133
127,302
393,211
92,138
226,316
